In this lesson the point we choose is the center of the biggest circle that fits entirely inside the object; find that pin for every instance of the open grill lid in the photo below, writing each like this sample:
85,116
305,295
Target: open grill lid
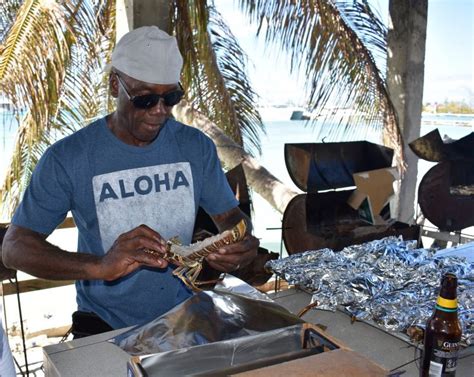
322,166
431,147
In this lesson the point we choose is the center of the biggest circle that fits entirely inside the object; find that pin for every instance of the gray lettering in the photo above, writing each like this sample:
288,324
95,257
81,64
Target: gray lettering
123,191
165,181
107,192
148,182
180,180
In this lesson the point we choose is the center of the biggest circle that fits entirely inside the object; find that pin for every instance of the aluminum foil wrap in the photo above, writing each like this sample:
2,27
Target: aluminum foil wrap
230,311
386,281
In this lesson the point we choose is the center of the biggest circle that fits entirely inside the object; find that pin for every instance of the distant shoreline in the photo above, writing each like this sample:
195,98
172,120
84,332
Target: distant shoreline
448,114
284,113
447,119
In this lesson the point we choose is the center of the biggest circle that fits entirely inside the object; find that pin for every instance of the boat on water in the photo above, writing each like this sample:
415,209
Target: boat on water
278,113
5,104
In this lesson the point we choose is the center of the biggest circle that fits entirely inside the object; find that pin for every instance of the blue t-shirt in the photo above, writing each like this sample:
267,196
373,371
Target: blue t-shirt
112,187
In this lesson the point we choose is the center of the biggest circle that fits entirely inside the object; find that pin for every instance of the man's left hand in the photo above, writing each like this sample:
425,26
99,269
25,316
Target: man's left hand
232,257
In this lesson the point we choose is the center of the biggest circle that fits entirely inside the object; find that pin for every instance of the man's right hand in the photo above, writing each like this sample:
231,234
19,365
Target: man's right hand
127,253
26,250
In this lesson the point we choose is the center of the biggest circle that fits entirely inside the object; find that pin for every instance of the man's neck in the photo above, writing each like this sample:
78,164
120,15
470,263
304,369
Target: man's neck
121,133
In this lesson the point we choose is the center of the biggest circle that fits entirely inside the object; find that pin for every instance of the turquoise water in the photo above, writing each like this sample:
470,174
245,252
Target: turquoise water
280,130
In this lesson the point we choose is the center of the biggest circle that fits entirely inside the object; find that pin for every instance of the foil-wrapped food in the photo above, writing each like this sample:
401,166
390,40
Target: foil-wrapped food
387,281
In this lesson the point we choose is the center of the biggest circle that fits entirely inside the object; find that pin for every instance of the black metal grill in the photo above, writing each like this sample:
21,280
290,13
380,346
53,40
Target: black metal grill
319,218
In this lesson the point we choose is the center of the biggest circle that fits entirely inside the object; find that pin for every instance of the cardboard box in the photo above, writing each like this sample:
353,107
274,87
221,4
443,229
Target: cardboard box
373,193
337,363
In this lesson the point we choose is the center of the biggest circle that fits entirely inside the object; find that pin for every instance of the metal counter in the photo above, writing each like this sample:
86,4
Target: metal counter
388,350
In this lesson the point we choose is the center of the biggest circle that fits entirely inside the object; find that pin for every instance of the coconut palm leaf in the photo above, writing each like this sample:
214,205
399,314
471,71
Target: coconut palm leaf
328,42
368,26
214,71
51,69
24,159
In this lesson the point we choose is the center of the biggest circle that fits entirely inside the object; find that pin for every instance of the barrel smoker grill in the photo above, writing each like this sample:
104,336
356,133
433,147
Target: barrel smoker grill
321,217
446,192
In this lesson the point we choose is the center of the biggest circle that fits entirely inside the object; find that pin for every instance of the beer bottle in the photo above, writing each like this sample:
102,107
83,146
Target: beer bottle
442,333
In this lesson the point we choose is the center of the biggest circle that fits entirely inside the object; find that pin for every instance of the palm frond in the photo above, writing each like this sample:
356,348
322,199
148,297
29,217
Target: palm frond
232,61
52,71
23,161
368,26
326,42
214,72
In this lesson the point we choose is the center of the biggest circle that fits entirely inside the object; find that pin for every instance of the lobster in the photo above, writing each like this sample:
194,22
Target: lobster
189,259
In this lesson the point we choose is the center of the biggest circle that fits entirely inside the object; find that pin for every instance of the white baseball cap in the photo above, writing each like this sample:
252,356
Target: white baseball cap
148,54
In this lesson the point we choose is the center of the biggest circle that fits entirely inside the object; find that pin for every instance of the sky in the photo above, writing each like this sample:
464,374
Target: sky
449,61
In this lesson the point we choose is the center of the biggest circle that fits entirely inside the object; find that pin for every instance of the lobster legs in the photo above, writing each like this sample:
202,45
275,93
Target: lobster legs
189,275
189,259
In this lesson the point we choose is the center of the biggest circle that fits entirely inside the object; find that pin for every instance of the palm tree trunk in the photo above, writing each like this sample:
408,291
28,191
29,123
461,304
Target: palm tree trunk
231,154
405,78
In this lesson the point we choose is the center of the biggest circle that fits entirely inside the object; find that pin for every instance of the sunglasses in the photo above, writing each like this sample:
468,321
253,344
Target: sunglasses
148,101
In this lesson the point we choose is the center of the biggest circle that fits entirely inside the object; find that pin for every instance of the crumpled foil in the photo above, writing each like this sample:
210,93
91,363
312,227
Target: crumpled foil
386,281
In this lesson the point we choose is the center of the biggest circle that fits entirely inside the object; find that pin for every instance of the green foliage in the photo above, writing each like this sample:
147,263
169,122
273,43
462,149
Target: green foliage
214,72
51,68
451,107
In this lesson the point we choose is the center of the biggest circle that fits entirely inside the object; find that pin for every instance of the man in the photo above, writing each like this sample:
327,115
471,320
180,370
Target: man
131,180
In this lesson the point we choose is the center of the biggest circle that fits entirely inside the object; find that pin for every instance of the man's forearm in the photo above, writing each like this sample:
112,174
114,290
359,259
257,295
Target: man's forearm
28,251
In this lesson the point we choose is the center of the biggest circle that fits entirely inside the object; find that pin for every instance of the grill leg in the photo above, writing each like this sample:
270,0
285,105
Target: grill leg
21,325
